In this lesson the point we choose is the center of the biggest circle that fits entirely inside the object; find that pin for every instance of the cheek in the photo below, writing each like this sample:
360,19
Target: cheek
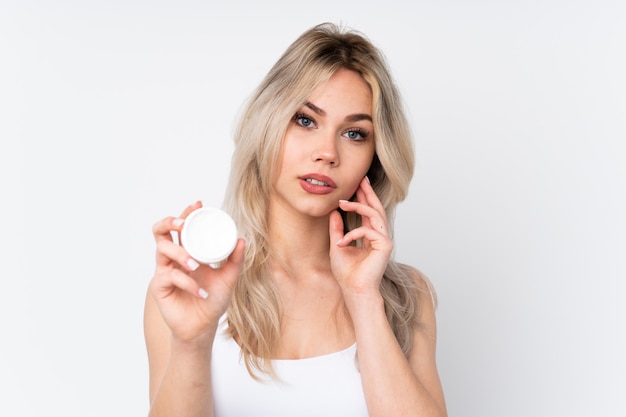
367,162
361,170
290,150
351,190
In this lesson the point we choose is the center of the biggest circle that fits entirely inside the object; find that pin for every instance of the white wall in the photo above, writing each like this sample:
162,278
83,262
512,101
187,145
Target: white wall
114,114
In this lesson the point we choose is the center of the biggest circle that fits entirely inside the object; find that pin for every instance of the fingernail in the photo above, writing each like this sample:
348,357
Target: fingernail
178,222
202,293
192,264
343,201
367,179
339,241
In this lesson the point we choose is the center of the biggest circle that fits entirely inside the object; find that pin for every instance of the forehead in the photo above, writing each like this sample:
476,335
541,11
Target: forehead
345,91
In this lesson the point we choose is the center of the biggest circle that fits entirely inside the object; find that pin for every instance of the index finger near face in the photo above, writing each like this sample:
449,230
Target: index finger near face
367,212
371,199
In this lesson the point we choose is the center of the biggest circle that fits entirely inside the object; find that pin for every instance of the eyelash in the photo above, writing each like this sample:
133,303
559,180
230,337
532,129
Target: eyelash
360,132
300,116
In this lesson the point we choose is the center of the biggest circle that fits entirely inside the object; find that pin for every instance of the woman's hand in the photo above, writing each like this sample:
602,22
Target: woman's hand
191,297
359,269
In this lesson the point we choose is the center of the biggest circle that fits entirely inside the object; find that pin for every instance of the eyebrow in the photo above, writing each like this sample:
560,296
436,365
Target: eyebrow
351,118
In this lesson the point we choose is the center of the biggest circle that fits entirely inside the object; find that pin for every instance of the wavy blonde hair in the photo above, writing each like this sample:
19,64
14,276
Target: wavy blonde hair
254,313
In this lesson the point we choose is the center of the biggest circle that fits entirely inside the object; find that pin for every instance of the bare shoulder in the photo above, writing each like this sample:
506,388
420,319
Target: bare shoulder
425,330
427,296
423,353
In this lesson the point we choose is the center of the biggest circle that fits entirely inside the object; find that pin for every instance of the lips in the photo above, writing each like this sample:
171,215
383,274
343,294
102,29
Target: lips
317,183
319,179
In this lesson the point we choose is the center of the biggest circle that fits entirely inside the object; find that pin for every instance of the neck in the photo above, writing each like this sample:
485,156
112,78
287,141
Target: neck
314,319
300,242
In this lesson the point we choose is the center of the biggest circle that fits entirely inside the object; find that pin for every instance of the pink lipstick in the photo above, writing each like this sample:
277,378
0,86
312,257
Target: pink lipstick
317,184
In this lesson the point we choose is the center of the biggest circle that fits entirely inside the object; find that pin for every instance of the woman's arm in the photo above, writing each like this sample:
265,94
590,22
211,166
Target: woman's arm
180,372
182,311
393,385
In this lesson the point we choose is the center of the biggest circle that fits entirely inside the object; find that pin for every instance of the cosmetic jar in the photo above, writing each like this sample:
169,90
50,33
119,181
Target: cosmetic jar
209,235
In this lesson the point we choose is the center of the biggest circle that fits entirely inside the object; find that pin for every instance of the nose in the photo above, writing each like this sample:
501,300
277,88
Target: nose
326,150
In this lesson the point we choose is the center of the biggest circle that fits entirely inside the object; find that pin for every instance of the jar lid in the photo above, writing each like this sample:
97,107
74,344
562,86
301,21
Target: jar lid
209,235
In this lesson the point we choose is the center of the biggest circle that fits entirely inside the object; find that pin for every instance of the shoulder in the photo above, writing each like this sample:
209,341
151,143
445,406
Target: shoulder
425,290
424,347
425,330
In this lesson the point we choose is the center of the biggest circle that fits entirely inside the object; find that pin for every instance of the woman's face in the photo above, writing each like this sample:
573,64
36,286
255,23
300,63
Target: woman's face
328,147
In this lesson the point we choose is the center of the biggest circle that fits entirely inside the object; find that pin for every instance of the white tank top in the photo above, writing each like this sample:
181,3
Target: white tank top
322,386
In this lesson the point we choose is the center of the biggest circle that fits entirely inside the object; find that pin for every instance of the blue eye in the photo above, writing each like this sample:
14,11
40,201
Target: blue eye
304,121
356,134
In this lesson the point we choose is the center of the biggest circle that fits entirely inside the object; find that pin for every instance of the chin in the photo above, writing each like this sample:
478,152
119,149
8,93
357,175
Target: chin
319,211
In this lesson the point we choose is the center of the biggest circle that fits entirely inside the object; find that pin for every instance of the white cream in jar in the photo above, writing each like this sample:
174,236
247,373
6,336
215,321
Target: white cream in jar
209,235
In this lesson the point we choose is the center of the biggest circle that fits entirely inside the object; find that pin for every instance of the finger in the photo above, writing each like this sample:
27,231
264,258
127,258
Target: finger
168,252
183,216
370,216
170,227
163,285
236,258
374,239
358,207
360,197
190,208
163,228
370,195
335,227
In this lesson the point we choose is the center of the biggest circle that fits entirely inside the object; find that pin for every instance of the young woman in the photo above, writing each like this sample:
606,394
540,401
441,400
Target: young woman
310,315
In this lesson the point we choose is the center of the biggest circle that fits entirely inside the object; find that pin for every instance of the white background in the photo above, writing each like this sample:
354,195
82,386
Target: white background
114,114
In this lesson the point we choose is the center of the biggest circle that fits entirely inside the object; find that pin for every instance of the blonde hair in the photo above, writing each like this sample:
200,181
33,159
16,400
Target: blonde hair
254,312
